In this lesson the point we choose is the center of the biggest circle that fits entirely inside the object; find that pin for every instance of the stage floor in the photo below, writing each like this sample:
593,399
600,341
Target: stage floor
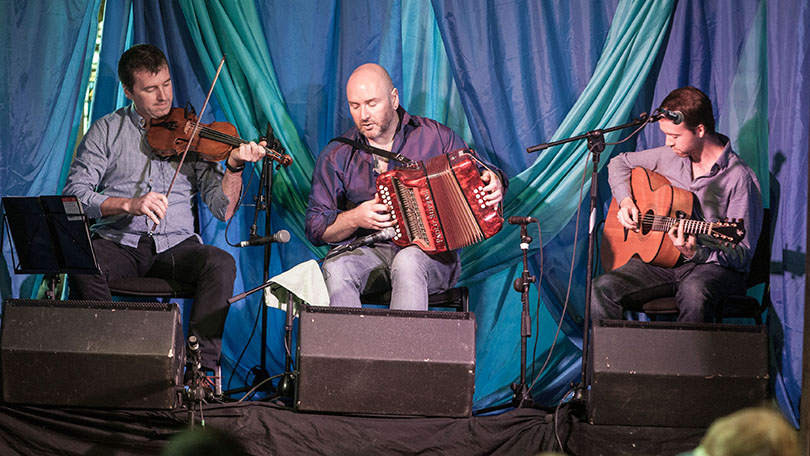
272,429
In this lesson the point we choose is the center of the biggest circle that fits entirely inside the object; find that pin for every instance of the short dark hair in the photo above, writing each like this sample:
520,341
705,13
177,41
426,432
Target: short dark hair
695,106
139,58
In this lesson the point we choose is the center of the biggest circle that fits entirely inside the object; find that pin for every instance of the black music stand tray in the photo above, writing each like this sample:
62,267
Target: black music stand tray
50,235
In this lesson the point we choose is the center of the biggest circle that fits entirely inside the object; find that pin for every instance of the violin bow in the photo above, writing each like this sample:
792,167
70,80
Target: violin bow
191,137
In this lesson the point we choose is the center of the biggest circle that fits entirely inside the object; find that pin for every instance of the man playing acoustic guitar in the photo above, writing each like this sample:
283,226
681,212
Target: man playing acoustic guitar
704,269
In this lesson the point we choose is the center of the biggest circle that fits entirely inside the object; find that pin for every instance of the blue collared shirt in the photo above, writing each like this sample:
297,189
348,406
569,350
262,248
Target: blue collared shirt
344,177
114,160
729,190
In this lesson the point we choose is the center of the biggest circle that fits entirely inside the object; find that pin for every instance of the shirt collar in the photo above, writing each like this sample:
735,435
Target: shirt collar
406,119
136,118
722,160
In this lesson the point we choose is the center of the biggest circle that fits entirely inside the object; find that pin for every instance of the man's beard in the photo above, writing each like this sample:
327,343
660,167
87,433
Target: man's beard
384,125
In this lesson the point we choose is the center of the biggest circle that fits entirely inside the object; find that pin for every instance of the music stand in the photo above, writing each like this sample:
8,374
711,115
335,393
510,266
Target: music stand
50,235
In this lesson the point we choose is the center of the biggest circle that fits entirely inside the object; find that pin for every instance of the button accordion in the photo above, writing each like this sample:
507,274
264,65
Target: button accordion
438,205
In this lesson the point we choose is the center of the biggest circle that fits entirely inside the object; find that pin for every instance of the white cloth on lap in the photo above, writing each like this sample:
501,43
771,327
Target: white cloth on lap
304,281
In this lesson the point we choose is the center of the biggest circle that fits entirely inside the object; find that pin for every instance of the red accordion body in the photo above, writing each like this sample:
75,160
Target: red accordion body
439,205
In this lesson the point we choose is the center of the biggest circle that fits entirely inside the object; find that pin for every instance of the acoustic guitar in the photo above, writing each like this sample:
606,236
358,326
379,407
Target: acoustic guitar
660,206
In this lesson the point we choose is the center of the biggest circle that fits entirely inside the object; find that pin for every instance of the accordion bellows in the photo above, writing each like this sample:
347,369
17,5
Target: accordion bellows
439,205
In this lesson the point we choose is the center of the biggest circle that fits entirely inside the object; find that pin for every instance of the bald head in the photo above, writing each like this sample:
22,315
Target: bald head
373,102
371,72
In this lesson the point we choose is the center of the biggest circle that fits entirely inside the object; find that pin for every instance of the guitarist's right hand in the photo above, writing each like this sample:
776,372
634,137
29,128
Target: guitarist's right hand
628,214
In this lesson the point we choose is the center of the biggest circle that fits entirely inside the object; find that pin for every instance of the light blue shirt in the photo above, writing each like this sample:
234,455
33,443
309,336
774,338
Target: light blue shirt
729,190
115,160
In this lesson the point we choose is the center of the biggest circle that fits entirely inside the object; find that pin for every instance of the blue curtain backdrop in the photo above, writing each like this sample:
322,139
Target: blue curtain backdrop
505,75
47,54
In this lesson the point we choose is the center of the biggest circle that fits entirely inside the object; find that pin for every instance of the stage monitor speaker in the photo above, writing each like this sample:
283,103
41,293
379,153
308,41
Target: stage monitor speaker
675,374
91,354
389,362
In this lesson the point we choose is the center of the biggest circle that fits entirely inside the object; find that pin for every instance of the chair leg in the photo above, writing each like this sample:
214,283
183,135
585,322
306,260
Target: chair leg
465,300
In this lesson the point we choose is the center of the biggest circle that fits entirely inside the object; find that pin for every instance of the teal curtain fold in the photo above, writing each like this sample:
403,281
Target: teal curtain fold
249,93
428,86
549,189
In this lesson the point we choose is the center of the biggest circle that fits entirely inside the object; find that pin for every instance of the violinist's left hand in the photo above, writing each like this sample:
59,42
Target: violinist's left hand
493,189
247,152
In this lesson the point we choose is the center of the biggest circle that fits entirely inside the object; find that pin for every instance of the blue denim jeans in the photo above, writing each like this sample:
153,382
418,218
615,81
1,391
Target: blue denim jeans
410,273
696,288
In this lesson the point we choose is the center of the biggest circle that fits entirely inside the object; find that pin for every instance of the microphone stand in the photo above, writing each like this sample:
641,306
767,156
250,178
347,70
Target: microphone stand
596,145
521,397
194,393
264,199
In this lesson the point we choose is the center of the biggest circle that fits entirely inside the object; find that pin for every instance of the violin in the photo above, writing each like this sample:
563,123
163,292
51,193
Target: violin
169,135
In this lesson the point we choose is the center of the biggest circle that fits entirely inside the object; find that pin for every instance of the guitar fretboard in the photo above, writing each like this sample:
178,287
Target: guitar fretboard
662,223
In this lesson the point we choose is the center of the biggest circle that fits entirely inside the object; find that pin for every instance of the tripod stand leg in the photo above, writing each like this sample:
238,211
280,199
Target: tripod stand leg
286,386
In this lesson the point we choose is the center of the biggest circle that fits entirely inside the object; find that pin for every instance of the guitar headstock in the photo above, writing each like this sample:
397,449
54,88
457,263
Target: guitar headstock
730,231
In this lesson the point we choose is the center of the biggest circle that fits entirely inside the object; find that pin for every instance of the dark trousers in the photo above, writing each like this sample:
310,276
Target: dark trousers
696,288
209,269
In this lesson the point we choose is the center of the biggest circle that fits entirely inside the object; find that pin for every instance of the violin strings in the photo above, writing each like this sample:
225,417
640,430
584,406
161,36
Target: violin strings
220,136
217,135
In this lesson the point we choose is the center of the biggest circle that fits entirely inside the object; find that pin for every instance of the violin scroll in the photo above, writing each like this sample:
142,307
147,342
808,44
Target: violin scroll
274,147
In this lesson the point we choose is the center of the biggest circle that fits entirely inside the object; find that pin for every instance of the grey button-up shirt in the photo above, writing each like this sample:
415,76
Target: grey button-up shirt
114,160
729,190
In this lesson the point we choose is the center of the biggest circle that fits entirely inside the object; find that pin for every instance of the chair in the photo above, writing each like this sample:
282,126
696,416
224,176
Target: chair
455,298
151,287
734,306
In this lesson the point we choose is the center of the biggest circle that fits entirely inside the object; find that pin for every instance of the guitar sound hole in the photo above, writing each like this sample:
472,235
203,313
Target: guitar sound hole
647,222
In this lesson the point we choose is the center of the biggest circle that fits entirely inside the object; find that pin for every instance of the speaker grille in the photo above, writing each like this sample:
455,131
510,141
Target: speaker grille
380,361
675,374
91,354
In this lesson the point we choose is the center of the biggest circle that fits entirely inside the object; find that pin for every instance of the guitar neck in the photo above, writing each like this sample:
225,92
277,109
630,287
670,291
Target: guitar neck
663,223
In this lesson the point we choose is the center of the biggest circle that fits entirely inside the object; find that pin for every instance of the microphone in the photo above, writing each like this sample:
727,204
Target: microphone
281,237
382,235
515,220
675,116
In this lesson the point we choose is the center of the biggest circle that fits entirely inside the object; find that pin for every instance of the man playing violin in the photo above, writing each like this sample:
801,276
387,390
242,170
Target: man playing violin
700,160
343,204
138,230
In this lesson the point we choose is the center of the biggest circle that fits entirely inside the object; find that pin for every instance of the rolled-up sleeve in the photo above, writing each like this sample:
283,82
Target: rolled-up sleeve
327,189
209,182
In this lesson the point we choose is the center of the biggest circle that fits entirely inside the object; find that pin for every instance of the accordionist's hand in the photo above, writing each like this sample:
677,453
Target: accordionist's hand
493,189
372,214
